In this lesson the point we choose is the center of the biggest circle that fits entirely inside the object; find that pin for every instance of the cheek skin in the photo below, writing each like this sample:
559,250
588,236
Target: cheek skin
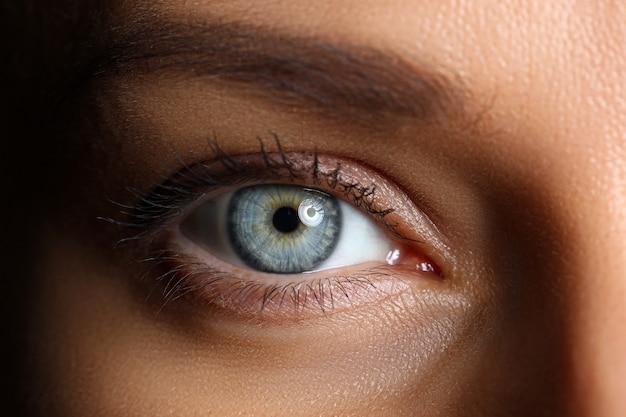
119,357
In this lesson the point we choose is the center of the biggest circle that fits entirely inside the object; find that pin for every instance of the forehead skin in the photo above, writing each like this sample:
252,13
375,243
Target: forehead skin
551,73
546,82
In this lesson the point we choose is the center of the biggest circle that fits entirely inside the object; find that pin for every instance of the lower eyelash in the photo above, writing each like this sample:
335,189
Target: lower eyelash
187,278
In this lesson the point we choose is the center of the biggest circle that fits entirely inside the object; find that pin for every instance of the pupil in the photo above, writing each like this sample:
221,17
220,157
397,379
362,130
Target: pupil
286,219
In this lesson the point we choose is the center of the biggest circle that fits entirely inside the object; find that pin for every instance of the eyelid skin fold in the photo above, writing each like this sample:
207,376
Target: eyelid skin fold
231,291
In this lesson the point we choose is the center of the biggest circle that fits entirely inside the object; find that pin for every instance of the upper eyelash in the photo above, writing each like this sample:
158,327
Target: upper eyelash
166,201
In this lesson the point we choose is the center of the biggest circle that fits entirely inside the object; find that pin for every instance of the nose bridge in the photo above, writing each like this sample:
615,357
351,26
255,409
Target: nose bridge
594,270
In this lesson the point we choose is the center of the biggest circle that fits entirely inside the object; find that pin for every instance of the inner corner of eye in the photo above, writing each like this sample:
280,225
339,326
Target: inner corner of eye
286,229
413,261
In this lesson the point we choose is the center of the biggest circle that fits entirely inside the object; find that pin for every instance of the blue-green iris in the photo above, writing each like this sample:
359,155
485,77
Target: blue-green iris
282,228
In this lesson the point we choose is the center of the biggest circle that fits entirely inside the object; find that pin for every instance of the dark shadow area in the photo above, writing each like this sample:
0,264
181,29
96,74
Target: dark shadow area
525,366
44,46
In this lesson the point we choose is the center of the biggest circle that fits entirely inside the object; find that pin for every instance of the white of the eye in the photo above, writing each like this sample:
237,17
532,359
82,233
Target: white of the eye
360,240
311,213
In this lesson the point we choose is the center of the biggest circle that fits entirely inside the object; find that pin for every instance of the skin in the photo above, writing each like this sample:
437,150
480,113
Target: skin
524,195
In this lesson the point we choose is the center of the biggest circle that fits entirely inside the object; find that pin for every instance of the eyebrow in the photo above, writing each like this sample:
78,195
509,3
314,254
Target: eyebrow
336,79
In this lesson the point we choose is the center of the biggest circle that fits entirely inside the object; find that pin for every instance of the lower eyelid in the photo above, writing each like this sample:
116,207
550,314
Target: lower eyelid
226,291
268,298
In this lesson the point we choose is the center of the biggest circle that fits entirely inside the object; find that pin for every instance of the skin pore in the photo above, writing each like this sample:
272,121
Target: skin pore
494,134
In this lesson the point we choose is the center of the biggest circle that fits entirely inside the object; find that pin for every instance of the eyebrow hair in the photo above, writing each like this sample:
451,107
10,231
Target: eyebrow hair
357,82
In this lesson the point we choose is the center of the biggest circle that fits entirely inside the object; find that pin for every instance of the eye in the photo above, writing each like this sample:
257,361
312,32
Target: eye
286,229
278,237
